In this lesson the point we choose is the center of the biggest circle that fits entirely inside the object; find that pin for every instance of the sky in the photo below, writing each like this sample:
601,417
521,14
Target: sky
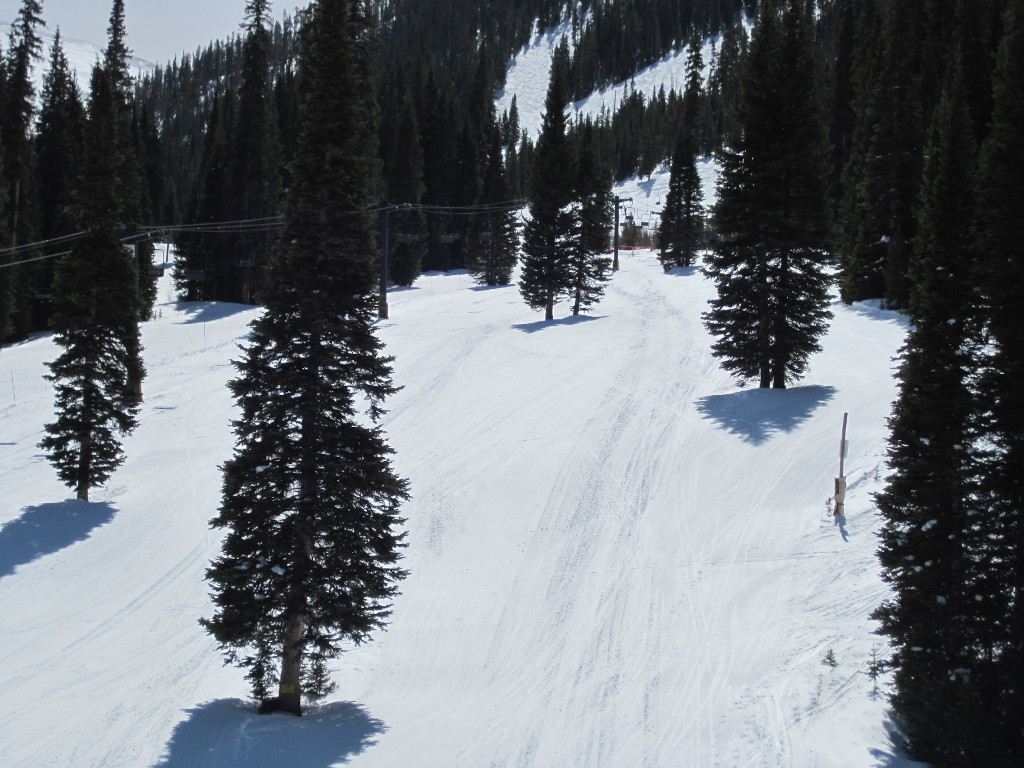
158,30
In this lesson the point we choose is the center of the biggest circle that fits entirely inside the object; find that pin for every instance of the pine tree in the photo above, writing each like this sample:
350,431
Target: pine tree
134,195
883,225
403,172
59,136
682,219
495,251
589,264
770,265
8,273
932,537
310,500
1000,202
26,48
199,267
96,311
547,242
256,155
17,109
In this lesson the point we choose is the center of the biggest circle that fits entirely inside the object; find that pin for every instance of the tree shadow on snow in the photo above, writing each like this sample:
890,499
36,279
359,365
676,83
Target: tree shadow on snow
757,414
208,311
541,325
228,732
895,755
683,271
49,528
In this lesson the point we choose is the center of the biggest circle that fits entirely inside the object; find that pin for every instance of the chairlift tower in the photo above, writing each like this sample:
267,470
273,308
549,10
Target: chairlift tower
615,234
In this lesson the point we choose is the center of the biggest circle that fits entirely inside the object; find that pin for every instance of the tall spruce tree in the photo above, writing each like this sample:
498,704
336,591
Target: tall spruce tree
548,235
60,133
589,263
96,317
495,253
26,47
256,149
310,501
135,194
58,139
933,538
403,175
17,108
682,219
770,266
8,272
888,163
1000,187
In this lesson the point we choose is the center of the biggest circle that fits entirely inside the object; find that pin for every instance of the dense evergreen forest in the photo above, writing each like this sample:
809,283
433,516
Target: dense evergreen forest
906,127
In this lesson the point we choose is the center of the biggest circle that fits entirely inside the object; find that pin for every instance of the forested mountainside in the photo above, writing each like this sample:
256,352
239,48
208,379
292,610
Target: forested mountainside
439,65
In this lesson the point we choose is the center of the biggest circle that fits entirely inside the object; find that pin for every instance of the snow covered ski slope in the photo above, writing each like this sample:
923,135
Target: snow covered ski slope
617,557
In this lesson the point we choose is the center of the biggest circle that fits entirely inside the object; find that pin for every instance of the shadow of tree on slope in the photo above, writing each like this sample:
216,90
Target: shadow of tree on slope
542,325
49,528
757,414
208,311
228,732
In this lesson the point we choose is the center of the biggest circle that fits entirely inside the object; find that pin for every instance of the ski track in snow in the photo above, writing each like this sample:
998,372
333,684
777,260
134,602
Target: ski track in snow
617,556
605,569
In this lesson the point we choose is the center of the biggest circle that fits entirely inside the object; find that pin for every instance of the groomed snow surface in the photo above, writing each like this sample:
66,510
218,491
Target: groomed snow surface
617,557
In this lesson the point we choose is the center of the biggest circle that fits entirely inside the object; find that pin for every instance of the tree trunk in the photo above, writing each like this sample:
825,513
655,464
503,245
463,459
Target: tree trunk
289,696
549,310
779,380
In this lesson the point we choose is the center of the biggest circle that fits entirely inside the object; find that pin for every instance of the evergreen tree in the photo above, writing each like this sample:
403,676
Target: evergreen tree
770,266
495,252
682,219
59,136
1000,202
932,537
134,194
310,500
117,55
8,272
403,171
96,312
199,269
17,108
547,242
26,48
256,156
883,227
589,264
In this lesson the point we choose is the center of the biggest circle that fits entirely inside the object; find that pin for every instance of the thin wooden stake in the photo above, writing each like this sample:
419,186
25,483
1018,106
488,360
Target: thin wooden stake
842,446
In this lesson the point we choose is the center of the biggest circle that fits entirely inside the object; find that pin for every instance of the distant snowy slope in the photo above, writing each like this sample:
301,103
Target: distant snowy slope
530,69
617,557
82,55
527,79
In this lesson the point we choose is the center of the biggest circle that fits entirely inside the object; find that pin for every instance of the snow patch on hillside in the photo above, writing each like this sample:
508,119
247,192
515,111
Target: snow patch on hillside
530,69
82,56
